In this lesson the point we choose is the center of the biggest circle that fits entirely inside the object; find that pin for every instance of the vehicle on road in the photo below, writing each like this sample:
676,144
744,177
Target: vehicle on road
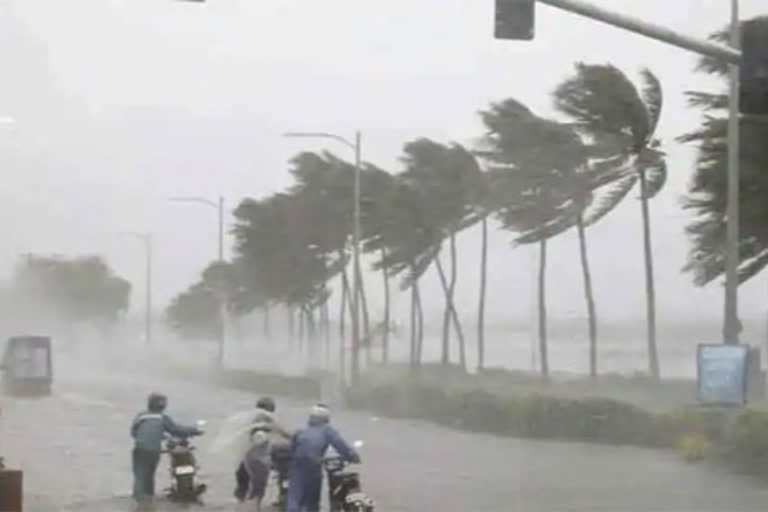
185,485
27,366
345,492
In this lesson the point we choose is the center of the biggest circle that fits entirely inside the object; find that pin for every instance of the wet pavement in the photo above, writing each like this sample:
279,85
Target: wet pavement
74,450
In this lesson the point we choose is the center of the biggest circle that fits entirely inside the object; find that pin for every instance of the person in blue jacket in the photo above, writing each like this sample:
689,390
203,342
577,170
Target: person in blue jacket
308,448
148,430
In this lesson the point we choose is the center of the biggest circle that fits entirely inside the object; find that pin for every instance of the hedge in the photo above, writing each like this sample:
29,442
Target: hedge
739,440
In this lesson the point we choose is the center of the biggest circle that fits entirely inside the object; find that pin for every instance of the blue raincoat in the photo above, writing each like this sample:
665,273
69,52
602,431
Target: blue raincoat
308,448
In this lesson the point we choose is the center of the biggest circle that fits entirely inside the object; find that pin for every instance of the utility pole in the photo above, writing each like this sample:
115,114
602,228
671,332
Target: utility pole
356,146
220,291
148,291
355,371
146,239
731,325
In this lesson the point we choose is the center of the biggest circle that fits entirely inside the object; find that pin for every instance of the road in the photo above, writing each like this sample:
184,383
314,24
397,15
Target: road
74,449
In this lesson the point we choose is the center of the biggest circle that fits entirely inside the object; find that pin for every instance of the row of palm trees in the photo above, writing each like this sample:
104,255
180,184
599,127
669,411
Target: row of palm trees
538,177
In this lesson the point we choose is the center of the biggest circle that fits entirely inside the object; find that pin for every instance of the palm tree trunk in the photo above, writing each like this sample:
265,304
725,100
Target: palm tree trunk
650,292
588,295
420,329
445,357
363,298
481,305
267,327
325,318
543,309
449,300
385,334
301,329
459,332
291,324
414,328
345,302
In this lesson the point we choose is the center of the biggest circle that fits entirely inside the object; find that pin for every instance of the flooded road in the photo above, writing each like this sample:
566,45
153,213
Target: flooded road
74,449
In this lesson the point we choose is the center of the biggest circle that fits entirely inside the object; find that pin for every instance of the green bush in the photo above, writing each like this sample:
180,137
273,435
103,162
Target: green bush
746,443
448,397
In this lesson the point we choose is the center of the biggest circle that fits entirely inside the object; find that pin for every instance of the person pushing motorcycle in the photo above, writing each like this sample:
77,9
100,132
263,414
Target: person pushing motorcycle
148,429
308,448
247,484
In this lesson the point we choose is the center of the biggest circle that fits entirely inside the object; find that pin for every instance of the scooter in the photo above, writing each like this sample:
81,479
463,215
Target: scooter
345,493
281,462
185,486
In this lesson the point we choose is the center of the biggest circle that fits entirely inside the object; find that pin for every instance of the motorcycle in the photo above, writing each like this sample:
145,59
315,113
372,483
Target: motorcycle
345,493
281,462
185,487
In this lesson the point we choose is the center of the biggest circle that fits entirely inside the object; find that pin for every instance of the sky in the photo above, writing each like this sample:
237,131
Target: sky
122,104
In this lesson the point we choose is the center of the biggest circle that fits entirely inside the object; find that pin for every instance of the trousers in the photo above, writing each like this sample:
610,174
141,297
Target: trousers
305,482
144,464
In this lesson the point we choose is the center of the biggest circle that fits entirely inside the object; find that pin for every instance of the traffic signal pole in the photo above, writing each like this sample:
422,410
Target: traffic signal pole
731,326
703,47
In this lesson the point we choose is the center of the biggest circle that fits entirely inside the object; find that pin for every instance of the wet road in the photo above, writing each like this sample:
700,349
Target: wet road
74,449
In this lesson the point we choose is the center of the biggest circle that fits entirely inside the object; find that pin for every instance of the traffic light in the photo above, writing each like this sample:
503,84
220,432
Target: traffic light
515,19
753,86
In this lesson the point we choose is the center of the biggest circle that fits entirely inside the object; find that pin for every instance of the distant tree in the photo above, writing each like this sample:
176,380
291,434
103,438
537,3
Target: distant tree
79,290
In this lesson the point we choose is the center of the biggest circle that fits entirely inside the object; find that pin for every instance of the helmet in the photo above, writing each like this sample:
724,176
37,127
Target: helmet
157,402
320,413
266,403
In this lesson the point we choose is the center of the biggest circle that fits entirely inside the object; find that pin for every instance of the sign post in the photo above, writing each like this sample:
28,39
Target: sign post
722,374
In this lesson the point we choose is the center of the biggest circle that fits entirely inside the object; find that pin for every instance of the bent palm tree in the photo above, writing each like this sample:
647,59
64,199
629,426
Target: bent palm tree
606,105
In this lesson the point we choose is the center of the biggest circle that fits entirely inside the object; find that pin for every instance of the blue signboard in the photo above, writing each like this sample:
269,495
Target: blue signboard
722,372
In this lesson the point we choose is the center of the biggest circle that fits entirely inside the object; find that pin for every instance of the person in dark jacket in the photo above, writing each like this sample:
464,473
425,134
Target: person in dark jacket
308,448
148,430
265,415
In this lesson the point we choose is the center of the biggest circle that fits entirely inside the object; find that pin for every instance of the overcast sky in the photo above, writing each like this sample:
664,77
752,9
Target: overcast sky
121,104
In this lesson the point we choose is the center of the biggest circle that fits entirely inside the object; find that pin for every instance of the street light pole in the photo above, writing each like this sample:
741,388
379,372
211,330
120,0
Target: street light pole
148,310
146,239
355,371
731,326
221,229
356,146
220,293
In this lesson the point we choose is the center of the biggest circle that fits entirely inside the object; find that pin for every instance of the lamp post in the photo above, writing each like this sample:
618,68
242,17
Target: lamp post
356,147
218,206
146,239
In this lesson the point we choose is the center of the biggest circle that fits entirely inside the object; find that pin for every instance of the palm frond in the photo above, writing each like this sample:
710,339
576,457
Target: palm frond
653,98
608,198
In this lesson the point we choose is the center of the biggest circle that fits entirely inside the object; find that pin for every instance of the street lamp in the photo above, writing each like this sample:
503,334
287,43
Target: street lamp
146,239
219,207
355,146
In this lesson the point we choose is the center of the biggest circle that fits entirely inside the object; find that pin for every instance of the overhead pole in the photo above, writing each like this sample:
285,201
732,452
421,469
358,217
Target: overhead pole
658,32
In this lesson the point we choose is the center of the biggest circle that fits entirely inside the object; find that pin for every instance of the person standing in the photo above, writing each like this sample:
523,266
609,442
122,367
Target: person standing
308,448
148,429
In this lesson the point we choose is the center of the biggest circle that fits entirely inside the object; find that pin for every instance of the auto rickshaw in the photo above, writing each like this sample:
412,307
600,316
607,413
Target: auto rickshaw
26,364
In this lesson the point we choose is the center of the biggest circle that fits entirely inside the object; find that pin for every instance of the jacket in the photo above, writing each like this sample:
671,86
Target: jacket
310,444
148,430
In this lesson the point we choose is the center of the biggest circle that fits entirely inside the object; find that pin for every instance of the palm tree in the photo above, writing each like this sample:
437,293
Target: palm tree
604,104
532,164
398,229
446,176
707,194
